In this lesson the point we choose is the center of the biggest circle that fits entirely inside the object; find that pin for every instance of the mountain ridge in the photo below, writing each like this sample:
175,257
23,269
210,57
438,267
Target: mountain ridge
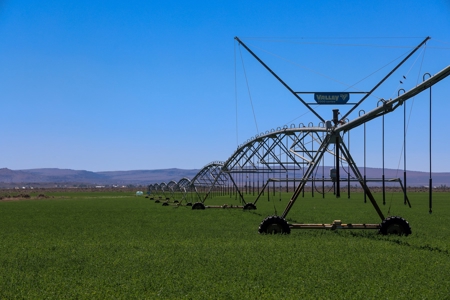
42,176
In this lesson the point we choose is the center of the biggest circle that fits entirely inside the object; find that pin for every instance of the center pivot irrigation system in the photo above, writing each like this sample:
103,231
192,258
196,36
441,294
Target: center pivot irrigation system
286,149
292,159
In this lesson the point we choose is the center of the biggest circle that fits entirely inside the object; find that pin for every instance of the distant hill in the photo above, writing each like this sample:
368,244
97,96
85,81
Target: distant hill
148,176
46,176
54,176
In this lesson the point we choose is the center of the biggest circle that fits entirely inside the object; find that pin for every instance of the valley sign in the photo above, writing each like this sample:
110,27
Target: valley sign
331,98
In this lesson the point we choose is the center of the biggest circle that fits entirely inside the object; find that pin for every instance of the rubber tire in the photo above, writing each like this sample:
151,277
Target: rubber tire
395,225
175,201
198,205
189,204
165,204
157,201
274,225
249,206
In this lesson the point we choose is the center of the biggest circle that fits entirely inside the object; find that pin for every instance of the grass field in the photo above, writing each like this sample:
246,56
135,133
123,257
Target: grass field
102,245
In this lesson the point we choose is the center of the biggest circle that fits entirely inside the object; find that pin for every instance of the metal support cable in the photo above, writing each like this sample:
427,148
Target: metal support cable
235,95
248,89
386,77
279,79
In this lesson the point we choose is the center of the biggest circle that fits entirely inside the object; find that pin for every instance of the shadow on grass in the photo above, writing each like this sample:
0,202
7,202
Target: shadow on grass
399,241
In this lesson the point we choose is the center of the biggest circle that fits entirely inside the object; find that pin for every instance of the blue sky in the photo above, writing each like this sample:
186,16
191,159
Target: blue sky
126,85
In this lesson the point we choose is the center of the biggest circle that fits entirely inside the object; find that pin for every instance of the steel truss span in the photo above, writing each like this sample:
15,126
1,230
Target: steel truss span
207,183
210,182
278,159
276,156
172,192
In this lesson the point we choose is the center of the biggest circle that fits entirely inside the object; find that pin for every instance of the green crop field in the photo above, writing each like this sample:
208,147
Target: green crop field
114,245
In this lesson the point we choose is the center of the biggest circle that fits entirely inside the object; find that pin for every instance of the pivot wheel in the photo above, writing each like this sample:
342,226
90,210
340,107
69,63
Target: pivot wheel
189,204
395,225
165,204
198,205
274,225
249,206
157,201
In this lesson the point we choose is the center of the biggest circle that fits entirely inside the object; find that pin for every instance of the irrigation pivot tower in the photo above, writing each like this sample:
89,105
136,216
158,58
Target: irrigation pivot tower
334,130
